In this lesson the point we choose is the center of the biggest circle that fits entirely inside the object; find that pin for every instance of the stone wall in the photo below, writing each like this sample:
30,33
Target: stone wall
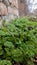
22,7
8,9
12,8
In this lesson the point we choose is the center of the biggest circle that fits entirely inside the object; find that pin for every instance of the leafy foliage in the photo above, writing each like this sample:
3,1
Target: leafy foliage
5,62
18,41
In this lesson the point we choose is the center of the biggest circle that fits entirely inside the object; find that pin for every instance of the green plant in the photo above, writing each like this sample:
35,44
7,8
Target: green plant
5,62
18,41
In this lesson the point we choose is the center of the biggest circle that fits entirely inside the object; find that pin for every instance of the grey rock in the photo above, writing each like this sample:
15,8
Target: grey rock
6,2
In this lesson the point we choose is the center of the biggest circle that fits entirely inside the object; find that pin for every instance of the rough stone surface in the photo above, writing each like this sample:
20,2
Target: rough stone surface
3,9
8,9
13,8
